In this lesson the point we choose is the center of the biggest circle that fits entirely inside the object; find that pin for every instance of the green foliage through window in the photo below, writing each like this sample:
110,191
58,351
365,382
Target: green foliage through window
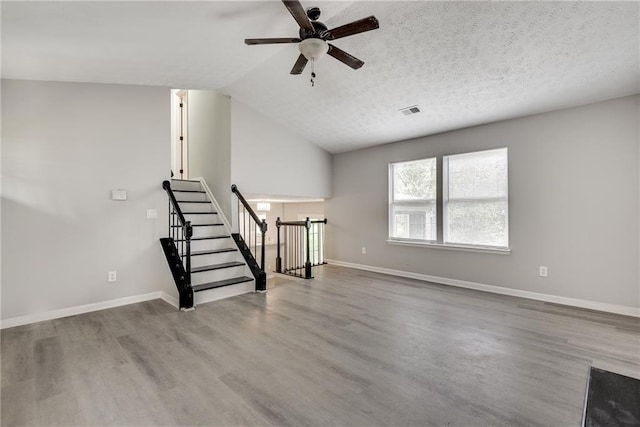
474,201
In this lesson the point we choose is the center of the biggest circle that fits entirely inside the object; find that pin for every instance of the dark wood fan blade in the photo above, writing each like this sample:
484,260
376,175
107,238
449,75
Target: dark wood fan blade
299,65
355,27
344,57
298,13
271,41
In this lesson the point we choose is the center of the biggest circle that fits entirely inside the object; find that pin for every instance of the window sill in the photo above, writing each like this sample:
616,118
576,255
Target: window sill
451,247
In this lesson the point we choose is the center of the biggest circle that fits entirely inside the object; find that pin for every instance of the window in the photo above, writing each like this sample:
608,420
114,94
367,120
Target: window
316,238
475,204
412,209
474,200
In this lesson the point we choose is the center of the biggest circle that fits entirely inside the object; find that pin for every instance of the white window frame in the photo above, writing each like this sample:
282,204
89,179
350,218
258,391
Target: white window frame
441,215
415,202
445,199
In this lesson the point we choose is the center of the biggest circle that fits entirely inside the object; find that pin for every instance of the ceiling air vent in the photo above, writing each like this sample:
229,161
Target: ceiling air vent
408,111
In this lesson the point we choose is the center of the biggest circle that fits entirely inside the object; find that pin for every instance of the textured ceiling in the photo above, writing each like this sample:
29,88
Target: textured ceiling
462,63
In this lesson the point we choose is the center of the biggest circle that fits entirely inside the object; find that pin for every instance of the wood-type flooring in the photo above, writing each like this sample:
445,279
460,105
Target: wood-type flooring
348,348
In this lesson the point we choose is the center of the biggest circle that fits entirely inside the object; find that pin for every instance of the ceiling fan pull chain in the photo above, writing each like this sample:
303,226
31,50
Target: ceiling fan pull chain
313,73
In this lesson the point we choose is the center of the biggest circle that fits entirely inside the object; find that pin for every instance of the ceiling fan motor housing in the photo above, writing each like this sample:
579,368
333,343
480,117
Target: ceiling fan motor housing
319,31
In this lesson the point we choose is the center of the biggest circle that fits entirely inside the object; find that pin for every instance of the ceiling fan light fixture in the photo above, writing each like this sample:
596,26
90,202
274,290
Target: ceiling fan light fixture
313,48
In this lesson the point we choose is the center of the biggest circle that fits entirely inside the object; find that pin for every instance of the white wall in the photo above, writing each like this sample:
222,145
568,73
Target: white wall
209,128
573,205
292,211
267,159
64,147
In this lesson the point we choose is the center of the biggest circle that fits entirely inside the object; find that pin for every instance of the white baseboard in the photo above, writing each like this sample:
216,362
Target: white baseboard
72,311
591,305
80,309
169,299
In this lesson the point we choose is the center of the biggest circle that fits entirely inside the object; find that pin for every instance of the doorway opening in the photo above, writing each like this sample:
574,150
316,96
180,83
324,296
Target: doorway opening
179,137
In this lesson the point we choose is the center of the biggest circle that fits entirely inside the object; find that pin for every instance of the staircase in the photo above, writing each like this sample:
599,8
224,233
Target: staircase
203,257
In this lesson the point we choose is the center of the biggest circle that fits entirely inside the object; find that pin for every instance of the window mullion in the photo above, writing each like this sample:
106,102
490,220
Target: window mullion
439,200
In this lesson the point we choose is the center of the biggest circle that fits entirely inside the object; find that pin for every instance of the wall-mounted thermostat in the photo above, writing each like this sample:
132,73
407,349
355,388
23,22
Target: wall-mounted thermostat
118,194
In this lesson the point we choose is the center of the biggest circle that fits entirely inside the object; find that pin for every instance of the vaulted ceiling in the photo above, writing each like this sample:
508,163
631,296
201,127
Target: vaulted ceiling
462,63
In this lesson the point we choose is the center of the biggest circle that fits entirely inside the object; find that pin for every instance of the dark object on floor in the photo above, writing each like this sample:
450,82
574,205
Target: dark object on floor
612,400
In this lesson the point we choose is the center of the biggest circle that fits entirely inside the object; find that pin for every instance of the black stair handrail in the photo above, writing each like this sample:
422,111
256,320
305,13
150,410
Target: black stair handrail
302,223
187,231
167,187
247,206
293,241
244,241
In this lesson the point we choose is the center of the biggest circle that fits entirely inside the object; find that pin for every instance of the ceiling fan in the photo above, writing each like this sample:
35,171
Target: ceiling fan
314,35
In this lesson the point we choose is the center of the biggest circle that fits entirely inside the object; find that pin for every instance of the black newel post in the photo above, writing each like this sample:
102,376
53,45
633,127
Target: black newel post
307,264
188,233
263,229
278,258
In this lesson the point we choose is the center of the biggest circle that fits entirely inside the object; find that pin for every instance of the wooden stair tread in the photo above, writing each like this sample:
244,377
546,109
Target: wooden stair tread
221,283
217,266
200,225
212,251
205,238
199,213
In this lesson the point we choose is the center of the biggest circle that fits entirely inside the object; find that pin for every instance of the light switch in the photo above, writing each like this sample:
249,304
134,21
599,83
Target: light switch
119,194
152,214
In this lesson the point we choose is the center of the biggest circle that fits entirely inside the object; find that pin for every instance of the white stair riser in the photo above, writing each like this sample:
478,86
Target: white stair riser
207,231
225,292
216,230
190,196
215,275
185,185
196,207
203,219
204,245
202,260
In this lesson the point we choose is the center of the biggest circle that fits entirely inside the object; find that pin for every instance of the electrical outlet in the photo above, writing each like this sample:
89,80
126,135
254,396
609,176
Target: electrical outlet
364,250
152,213
113,276
544,271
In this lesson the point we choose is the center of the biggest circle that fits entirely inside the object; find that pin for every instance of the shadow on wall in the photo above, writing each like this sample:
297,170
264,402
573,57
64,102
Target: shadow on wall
61,251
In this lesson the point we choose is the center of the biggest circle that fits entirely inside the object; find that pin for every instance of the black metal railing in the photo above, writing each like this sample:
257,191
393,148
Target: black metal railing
303,246
177,248
250,238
